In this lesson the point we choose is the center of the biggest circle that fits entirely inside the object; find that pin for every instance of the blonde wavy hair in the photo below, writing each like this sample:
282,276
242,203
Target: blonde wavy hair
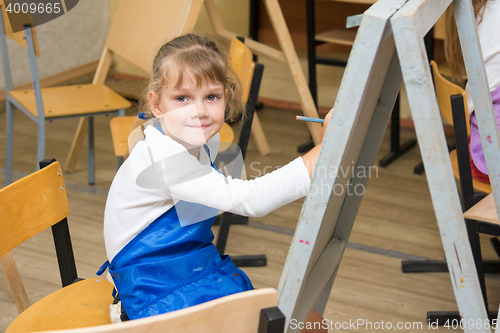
453,51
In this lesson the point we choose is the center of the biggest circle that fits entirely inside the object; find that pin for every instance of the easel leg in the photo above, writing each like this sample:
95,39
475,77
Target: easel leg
429,129
312,294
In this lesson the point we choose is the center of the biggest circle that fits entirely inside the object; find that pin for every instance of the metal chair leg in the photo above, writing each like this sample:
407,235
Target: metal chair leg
91,162
9,143
40,150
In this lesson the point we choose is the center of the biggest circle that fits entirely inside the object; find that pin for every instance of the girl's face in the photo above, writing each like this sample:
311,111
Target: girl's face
189,114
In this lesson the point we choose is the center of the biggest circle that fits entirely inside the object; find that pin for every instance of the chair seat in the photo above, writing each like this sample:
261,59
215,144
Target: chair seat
122,126
478,185
484,210
120,130
337,36
81,304
72,100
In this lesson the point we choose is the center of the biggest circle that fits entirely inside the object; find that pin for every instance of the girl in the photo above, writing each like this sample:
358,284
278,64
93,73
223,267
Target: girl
164,198
487,15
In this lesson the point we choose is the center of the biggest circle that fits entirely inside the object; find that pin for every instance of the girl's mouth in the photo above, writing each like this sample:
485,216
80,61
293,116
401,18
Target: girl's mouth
202,127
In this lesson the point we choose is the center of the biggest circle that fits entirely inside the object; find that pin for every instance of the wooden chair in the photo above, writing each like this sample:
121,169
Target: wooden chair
51,103
446,92
247,312
29,206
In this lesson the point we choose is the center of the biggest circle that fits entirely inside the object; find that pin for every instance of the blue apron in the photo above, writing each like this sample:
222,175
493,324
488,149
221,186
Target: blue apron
167,267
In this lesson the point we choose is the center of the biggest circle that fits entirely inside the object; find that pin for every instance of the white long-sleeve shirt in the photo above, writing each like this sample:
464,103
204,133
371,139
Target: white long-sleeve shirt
159,172
488,30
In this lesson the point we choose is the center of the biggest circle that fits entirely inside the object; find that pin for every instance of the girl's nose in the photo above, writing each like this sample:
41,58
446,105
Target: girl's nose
201,109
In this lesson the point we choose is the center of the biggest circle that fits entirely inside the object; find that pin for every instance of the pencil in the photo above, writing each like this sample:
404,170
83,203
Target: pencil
314,120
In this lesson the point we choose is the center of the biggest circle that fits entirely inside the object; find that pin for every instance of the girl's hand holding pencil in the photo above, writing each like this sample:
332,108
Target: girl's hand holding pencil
326,121
318,120
311,157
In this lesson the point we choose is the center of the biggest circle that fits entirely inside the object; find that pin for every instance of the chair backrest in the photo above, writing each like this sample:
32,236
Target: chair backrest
237,313
250,75
242,63
29,206
18,37
444,90
138,31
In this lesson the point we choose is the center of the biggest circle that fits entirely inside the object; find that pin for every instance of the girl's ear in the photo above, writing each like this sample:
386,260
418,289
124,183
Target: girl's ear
154,103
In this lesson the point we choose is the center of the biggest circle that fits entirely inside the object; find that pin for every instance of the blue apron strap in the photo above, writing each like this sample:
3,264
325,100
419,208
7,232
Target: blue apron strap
103,268
157,124
208,153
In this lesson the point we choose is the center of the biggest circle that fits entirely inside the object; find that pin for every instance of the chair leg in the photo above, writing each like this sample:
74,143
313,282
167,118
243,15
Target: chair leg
495,243
40,151
254,260
91,162
224,225
271,320
10,143
119,162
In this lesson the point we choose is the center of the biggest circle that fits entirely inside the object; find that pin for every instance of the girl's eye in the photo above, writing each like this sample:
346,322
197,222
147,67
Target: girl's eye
212,98
181,99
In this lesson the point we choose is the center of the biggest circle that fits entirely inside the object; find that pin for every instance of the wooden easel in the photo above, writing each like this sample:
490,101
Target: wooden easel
367,94
287,55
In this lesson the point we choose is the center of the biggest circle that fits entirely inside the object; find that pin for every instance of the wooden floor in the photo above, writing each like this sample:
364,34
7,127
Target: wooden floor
395,222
